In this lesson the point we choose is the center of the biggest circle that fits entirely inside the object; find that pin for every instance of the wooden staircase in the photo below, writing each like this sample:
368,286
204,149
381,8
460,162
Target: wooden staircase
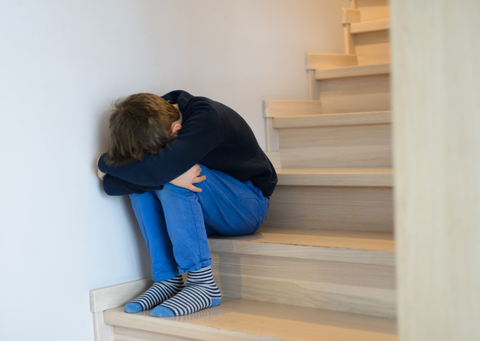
322,267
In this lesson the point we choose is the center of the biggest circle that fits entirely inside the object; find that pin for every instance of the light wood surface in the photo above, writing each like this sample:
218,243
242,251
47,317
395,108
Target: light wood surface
350,15
357,240
271,136
376,117
102,331
352,146
327,272
373,47
371,248
339,135
309,268
117,295
348,40
337,297
239,319
203,325
273,108
325,61
274,157
436,83
353,71
332,208
357,177
377,156
370,26
373,9
312,86
127,334
355,94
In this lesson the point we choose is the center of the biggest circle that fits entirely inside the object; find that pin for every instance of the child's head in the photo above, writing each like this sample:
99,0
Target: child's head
139,124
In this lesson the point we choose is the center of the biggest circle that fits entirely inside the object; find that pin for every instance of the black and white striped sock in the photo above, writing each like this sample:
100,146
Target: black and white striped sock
200,292
158,293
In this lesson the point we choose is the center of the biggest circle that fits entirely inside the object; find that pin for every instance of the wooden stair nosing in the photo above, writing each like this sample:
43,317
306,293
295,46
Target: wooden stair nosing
174,326
324,61
242,319
370,26
361,118
286,108
365,177
270,245
353,71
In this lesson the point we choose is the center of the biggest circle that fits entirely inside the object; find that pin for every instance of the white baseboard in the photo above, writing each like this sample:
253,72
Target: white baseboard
111,297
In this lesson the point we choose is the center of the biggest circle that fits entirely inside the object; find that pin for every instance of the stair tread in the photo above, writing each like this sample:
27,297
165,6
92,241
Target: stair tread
320,171
353,71
370,26
354,177
358,240
358,118
281,108
241,319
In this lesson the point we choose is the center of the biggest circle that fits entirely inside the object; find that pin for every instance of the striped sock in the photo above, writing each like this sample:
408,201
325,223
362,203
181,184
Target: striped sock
200,292
158,292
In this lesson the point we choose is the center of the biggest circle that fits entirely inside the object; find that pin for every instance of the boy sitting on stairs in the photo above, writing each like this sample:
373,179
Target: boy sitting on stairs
192,167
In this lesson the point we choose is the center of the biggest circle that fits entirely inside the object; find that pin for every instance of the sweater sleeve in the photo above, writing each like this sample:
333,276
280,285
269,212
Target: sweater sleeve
201,133
115,186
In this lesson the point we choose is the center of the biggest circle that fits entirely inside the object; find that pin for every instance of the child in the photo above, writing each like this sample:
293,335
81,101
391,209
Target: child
192,167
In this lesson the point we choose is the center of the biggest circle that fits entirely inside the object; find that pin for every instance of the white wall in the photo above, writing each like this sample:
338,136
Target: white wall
61,62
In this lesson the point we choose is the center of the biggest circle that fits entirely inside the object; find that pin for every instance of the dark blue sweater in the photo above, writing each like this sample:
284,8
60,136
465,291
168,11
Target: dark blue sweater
212,135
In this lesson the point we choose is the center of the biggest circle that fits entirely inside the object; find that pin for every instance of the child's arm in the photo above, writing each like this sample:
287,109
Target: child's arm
201,133
116,186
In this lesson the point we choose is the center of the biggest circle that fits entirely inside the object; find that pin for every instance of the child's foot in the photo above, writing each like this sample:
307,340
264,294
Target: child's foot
200,292
158,293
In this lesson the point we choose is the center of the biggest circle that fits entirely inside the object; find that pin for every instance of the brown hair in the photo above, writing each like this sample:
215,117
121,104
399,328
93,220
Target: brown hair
139,124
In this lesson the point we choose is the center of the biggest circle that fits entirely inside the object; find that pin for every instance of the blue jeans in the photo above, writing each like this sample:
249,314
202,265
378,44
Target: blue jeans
175,221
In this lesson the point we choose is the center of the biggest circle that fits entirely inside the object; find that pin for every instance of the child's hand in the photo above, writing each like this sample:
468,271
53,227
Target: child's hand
190,177
100,174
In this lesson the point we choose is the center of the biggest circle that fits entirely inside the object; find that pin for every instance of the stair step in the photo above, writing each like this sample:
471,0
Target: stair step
361,118
279,108
347,271
360,247
353,71
373,9
333,143
323,61
370,26
241,319
344,208
362,177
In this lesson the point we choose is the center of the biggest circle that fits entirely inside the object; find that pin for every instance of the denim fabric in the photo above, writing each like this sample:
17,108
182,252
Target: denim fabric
175,221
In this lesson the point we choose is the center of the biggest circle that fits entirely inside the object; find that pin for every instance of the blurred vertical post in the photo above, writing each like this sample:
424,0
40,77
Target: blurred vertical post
436,123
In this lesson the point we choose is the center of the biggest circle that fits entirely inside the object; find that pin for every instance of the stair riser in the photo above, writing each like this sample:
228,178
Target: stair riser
355,94
358,146
373,9
332,208
372,47
358,288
